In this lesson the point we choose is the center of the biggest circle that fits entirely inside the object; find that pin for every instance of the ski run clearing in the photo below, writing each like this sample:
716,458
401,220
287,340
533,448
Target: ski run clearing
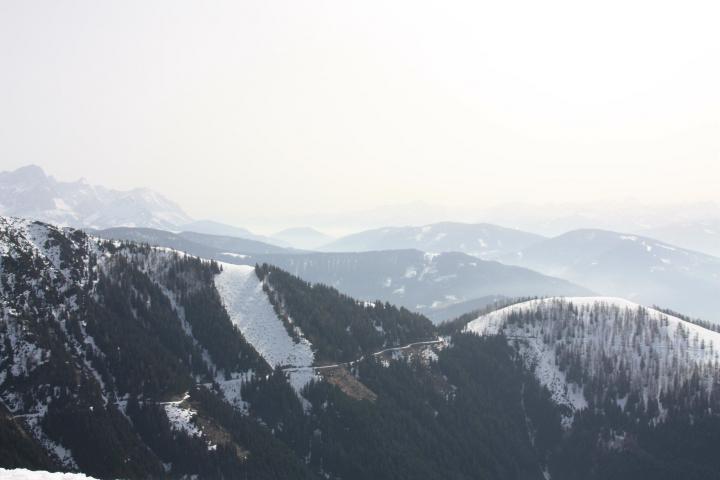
649,348
250,309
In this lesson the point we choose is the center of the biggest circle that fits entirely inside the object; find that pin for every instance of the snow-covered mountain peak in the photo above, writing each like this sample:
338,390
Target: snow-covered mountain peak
24,239
26,175
30,192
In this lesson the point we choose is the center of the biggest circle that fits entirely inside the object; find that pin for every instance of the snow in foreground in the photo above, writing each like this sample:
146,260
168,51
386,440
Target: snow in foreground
250,309
22,474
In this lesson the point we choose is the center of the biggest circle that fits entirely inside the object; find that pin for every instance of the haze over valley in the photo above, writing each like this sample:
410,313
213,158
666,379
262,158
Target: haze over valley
351,241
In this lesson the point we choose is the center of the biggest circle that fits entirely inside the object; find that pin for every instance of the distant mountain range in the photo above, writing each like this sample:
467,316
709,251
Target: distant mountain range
198,244
423,282
548,219
590,260
482,240
638,268
445,285
210,227
302,237
29,192
702,236
426,283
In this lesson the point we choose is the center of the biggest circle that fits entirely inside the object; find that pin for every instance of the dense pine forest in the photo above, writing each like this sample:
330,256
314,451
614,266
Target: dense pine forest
462,414
342,328
638,388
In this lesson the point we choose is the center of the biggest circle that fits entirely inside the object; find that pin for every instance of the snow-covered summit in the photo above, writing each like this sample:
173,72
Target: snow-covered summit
591,350
30,192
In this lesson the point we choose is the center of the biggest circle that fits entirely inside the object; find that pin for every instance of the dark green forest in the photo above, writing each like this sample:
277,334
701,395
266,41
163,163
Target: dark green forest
340,327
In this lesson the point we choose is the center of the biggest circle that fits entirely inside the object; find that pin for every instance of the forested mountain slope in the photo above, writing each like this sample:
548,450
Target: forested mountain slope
120,360
97,339
626,376
341,327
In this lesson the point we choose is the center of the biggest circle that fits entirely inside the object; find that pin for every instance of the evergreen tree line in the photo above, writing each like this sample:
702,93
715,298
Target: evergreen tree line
475,413
338,326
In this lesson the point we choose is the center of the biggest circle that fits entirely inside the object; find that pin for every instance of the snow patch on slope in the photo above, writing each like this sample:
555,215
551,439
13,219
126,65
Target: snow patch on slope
249,308
181,419
653,348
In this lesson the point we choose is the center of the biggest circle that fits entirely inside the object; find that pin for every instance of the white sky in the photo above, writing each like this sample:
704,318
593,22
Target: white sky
265,107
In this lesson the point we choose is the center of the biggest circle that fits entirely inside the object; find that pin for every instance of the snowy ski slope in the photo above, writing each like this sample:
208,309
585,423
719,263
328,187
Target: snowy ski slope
250,309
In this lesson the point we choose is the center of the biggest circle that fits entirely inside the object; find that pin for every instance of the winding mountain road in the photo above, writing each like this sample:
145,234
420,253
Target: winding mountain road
360,359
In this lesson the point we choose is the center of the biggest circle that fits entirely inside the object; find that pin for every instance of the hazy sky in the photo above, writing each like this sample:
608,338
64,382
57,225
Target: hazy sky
241,108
